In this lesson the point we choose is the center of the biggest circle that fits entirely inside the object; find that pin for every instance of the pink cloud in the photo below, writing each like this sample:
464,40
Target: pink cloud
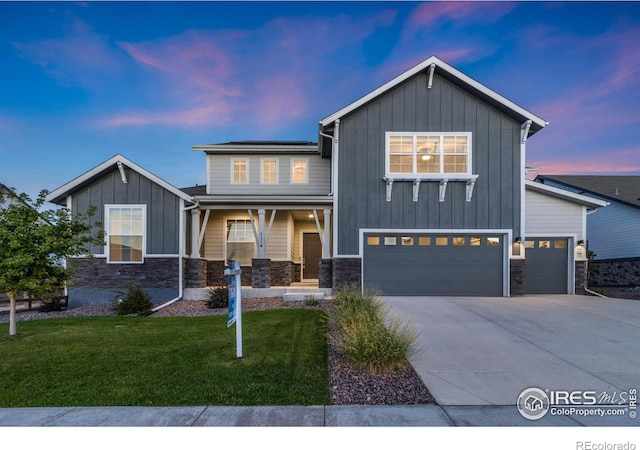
198,116
263,77
609,161
429,13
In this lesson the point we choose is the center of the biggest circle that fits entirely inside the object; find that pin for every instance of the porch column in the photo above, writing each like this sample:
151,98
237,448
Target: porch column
261,240
195,233
326,242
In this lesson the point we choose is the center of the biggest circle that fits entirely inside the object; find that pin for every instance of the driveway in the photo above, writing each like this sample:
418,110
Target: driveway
486,351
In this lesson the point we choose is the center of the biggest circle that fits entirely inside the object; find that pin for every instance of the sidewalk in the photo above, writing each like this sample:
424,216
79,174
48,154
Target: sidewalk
297,416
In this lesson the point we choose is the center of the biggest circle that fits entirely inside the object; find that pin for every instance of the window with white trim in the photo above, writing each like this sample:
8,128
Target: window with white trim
422,154
239,171
240,241
299,171
269,171
125,230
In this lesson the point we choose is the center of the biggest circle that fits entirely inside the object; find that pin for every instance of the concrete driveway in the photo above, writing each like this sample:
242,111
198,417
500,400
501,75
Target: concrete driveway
486,351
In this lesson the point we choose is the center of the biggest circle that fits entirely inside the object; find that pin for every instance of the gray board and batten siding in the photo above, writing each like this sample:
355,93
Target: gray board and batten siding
412,107
163,207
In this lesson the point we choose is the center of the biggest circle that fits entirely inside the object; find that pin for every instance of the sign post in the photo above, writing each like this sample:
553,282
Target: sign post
235,302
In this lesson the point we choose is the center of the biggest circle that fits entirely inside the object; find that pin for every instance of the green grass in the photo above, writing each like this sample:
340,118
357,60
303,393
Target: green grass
173,361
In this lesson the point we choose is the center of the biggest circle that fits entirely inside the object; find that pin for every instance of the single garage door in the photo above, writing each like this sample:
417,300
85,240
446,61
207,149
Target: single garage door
416,264
547,263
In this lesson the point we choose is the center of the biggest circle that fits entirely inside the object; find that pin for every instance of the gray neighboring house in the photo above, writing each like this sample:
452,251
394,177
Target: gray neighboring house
613,231
143,217
417,188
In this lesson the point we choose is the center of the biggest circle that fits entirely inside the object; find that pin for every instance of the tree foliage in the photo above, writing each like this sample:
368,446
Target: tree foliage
35,242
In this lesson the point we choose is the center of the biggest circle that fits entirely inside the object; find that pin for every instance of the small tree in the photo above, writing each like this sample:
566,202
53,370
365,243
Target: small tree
34,244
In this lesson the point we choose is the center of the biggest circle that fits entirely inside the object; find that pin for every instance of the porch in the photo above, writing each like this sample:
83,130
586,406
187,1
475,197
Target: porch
279,245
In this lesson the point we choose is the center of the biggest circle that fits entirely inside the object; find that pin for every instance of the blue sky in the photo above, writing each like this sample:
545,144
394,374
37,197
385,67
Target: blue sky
80,82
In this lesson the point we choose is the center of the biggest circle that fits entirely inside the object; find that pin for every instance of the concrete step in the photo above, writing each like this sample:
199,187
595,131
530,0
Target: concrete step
302,296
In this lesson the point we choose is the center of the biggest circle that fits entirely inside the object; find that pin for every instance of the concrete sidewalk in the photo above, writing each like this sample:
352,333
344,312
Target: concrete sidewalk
294,416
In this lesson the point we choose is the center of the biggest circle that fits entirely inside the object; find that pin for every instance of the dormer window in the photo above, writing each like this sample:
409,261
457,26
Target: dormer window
420,155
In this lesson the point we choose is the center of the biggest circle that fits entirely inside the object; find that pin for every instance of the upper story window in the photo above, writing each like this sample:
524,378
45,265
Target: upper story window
125,229
423,154
299,171
240,171
269,171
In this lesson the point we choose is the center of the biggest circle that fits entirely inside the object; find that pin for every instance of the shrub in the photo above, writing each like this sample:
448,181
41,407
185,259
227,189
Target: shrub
371,338
136,301
52,304
218,297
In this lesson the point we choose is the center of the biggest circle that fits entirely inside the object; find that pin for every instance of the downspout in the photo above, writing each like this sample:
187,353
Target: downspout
332,146
183,210
334,189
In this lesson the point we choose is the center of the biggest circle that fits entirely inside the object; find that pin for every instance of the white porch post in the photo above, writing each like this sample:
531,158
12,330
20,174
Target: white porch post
326,247
261,240
195,233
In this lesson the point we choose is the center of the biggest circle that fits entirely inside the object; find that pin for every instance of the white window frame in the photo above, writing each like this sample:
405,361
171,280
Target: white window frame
107,225
233,166
306,175
225,222
414,174
277,163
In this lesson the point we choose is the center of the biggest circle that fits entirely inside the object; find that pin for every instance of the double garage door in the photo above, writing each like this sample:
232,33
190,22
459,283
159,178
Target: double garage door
434,264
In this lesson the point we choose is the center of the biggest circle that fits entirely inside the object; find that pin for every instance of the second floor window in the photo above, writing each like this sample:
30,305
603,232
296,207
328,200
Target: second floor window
422,154
299,171
239,171
269,171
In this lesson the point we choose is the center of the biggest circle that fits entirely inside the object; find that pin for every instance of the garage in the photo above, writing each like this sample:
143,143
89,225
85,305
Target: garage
434,264
547,262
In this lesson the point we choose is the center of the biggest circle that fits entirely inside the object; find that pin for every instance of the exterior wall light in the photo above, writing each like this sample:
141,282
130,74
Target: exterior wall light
580,242
518,240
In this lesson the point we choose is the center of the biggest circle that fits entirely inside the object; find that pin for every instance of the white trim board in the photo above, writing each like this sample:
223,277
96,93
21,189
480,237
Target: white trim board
62,192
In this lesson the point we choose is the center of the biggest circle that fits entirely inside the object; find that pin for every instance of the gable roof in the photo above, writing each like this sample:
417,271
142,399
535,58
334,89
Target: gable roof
59,195
618,188
449,72
564,194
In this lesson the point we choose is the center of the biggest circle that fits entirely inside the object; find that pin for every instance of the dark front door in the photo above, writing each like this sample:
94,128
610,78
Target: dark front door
311,254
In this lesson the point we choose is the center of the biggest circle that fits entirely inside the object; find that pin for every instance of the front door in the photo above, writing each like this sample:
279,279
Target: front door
311,254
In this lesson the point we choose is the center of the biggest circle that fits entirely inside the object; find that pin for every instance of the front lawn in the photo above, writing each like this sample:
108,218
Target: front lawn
172,361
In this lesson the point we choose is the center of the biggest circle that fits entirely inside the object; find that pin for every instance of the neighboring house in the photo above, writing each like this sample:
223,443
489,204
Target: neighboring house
613,231
417,188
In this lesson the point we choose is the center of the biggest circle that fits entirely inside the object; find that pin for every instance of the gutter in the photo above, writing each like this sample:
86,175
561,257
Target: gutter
183,209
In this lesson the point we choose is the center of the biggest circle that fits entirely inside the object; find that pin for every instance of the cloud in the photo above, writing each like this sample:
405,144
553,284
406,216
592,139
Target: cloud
428,14
264,76
611,161
81,56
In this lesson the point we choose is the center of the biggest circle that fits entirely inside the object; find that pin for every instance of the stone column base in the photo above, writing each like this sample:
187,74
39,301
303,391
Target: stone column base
325,278
260,273
346,271
195,273
518,269
581,277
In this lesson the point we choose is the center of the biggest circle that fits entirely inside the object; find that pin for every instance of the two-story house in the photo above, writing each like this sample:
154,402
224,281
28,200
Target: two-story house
417,188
